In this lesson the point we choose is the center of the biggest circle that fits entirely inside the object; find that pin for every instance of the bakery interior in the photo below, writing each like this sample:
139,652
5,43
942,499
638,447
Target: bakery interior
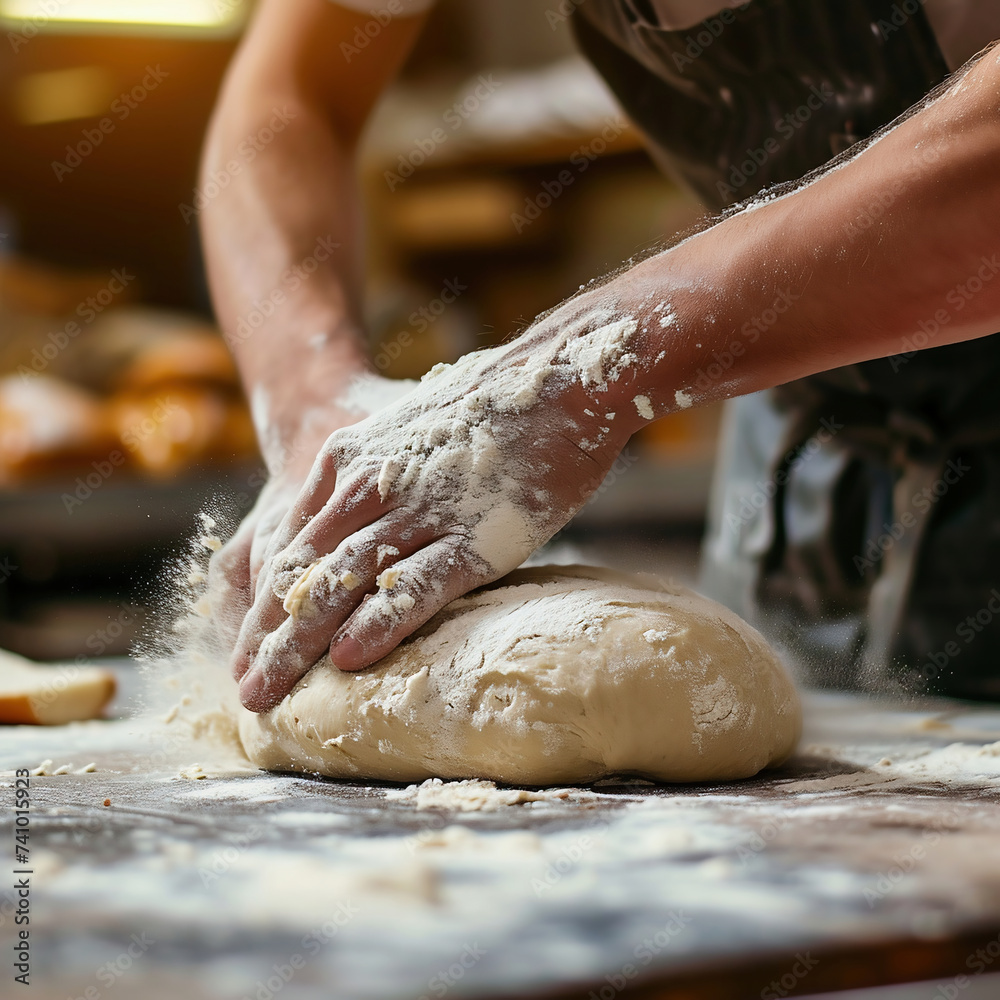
122,419
94,365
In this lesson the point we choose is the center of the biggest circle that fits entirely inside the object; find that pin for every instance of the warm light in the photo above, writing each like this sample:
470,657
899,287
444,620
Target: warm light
62,95
198,16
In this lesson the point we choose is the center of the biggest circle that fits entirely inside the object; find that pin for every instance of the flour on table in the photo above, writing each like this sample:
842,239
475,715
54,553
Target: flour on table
470,795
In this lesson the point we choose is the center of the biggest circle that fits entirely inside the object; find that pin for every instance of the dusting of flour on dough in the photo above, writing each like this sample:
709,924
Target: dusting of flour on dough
550,676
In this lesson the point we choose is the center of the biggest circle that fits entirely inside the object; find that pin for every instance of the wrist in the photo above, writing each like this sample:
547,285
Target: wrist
715,316
296,406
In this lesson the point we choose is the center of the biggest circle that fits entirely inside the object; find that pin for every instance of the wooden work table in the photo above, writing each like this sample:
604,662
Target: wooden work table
872,857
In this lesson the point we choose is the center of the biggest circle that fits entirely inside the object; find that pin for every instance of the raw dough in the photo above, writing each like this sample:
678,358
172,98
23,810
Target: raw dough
555,674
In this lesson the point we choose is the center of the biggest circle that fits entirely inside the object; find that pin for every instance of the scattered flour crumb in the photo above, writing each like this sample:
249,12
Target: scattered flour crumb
350,580
682,399
644,407
471,795
45,769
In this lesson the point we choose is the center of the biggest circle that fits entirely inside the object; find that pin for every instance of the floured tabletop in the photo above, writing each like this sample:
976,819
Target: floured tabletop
873,856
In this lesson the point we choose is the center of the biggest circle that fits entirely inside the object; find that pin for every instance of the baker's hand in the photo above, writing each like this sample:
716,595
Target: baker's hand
235,568
447,489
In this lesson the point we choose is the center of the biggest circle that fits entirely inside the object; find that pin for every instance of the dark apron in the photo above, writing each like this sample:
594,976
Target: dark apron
855,516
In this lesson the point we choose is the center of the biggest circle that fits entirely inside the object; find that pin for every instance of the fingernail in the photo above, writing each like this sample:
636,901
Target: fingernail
347,653
250,686
240,667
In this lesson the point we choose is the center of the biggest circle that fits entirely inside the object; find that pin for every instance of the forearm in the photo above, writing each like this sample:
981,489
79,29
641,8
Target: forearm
901,240
281,243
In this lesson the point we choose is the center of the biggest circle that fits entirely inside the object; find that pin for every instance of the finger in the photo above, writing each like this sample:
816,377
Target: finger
317,604
356,505
308,502
229,585
423,584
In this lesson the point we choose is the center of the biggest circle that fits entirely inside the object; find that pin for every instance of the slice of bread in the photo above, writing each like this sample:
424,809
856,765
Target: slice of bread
33,694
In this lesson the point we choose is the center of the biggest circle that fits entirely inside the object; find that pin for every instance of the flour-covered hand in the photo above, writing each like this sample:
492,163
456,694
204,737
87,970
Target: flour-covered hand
444,490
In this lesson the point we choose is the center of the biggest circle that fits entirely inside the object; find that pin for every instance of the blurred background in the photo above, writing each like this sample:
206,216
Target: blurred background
120,413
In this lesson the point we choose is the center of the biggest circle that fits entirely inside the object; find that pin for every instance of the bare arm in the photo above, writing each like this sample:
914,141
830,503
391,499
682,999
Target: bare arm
840,271
897,249
283,237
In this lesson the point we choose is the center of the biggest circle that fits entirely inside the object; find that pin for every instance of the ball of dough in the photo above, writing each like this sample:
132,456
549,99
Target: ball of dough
551,675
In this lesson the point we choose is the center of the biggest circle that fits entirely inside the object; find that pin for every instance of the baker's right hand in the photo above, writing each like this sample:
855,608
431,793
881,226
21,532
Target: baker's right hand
446,490
236,567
